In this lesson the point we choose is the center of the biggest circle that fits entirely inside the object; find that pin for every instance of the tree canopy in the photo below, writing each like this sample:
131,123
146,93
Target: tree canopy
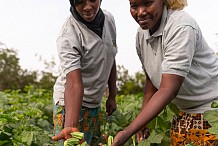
13,77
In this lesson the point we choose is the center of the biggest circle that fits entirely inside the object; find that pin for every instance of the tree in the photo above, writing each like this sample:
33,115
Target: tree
128,84
13,77
10,69
47,81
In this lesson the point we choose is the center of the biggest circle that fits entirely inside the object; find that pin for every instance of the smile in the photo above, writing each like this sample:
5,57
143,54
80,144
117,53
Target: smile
144,21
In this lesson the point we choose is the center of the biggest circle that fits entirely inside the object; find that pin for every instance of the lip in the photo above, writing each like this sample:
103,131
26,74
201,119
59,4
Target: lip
144,21
88,16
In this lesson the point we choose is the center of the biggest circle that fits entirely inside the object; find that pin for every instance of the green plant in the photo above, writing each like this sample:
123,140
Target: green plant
25,118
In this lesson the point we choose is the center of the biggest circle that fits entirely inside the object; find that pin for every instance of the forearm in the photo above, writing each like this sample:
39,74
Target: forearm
149,91
169,87
112,82
155,105
73,99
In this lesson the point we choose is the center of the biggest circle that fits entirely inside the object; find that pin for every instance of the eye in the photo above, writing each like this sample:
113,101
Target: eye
79,1
148,3
92,1
133,6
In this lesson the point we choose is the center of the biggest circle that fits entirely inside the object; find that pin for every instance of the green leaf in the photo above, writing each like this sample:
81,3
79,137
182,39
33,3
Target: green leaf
4,142
153,138
212,118
214,105
27,137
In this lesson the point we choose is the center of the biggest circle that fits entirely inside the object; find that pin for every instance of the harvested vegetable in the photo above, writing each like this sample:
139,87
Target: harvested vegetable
76,140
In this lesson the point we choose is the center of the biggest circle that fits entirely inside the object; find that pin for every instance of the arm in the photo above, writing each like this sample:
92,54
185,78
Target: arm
169,87
149,91
73,101
111,102
73,98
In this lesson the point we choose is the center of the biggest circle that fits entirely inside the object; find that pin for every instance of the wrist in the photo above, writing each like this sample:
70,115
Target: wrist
66,124
72,129
112,96
128,133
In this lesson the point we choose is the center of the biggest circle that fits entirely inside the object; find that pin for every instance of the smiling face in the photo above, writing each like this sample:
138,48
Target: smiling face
147,13
88,9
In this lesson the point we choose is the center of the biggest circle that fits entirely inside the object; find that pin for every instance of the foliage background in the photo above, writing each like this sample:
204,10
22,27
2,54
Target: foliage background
26,106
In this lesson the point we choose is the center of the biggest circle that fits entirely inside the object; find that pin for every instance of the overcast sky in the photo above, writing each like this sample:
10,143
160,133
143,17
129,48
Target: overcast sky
31,27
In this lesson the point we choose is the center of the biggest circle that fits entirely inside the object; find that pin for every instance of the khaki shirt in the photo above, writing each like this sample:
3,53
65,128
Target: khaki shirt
80,48
178,47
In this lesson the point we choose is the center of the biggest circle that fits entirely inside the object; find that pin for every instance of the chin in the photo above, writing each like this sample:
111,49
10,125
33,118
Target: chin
144,27
88,19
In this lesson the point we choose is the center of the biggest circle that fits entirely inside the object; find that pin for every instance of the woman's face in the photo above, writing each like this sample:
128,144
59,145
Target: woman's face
88,9
147,13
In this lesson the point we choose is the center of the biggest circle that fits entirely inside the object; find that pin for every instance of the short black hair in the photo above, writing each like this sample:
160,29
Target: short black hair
73,2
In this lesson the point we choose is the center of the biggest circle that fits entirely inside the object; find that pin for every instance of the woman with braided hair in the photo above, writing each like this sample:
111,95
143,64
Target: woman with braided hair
87,48
180,68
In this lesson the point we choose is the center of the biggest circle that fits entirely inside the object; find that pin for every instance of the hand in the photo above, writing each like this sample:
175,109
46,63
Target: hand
143,133
120,139
111,106
65,134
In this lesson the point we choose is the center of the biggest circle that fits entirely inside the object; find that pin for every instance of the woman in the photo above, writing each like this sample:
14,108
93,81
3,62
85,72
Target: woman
180,68
86,48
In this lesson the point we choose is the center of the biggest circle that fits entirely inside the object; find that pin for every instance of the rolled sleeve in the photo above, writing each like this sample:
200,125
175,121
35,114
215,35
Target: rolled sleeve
179,51
69,55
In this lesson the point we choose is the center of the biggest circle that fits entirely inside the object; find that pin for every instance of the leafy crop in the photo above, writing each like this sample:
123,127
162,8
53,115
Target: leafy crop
212,118
128,108
26,119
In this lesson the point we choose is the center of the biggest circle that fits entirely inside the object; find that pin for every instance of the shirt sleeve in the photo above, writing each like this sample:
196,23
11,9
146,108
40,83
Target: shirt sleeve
179,51
69,54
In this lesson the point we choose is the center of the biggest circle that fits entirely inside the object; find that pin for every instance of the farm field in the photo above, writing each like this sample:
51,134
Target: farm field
26,119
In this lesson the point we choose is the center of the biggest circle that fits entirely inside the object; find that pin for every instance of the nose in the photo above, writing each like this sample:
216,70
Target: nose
88,5
142,11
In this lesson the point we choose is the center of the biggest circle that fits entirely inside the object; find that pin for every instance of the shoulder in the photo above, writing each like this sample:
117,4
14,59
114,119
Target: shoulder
180,22
179,18
71,30
108,16
70,26
109,21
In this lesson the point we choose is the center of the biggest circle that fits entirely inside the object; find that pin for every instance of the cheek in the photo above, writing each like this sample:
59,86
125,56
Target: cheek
157,13
134,14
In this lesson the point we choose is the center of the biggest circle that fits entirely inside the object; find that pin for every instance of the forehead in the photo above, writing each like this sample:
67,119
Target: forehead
78,1
142,1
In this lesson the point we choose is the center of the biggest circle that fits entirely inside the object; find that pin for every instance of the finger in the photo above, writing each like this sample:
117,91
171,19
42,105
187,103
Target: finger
109,112
74,129
106,115
146,133
145,136
139,136
58,137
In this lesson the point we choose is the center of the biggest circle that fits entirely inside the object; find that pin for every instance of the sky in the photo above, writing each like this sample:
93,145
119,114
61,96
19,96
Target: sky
31,28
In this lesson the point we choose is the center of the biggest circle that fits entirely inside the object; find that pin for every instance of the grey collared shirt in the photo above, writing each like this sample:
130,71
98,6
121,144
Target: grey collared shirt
80,48
178,47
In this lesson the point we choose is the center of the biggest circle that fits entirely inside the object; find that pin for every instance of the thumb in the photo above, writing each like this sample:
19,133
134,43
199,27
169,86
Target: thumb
58,137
